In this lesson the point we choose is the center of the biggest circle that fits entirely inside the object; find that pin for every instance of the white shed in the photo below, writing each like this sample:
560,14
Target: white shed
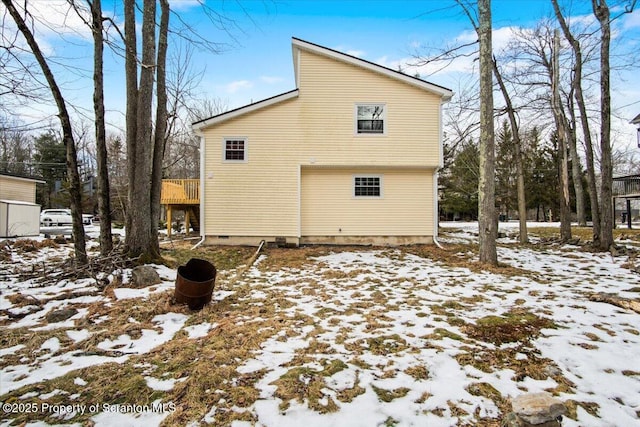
19,219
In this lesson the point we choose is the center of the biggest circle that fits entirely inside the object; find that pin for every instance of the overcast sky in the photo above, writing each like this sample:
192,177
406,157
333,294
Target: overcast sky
256,62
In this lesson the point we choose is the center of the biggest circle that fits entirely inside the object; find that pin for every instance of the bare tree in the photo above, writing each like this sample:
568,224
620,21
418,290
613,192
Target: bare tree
576,166
104,196
160,133
522,201
603,15
487,219
15,150
584,120
139,241
562,135
75,188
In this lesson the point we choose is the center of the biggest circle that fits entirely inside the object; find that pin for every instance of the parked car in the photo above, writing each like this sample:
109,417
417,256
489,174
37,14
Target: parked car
87,219
55,217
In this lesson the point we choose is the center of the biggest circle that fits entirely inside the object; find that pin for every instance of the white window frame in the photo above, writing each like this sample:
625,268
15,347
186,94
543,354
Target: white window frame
353,183
245,150
370,104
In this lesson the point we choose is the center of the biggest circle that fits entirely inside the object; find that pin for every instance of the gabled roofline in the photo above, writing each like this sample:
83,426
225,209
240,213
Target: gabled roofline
297,43
199,125
636,120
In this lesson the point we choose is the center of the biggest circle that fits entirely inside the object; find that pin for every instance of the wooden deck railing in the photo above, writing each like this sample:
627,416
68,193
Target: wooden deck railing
628,185
180,192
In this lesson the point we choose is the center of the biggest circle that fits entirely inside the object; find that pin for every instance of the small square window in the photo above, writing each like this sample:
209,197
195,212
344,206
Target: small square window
370,118
235,150
367,186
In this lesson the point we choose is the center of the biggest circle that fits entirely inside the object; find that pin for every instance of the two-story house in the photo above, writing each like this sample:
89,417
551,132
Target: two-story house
348,157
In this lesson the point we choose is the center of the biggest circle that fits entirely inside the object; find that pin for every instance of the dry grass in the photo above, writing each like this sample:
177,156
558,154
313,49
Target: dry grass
585,234
205,369
515,326
222,257
390,395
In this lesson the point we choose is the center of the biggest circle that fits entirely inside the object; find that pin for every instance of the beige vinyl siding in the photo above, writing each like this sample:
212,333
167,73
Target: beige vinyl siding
315,132
329,207
20,189
258,197
329,93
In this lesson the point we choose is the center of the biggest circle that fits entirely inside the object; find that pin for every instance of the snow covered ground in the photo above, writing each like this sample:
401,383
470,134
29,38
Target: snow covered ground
409,336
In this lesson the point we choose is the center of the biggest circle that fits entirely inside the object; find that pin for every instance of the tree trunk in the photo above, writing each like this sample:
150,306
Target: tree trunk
522,202
139,239
584,122
104,196
601,11
131,83
487,220
161,122
75,188
562,135
576,167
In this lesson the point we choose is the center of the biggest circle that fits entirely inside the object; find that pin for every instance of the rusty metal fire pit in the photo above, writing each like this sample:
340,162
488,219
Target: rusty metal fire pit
194,283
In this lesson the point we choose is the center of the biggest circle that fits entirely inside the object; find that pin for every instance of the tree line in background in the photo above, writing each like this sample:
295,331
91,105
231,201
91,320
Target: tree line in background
552,113
155,142
41,153
559,88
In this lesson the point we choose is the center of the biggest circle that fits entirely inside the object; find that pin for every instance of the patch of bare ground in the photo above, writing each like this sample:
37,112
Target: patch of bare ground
583,236
222,257
517,325
464,256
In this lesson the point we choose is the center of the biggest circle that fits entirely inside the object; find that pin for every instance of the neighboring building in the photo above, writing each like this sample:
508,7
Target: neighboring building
350,156
18,188
626,188
636,121
19,214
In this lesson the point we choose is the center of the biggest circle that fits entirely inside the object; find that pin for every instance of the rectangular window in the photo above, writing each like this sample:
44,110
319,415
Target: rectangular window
370,118
235,150
367,186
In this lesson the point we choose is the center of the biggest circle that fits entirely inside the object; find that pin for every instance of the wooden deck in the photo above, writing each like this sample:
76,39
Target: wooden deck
182,195
626,187
180,192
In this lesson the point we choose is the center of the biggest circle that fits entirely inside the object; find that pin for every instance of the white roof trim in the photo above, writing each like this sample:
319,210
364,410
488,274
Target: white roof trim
20,178
18,202
198,126
445,93
298,45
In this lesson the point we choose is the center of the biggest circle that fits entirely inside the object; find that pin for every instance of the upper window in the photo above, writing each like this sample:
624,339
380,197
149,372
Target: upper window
235,150
367,186
370,118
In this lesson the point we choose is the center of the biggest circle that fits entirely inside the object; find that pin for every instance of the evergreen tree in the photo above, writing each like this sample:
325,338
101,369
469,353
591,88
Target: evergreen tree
50,158
460,184
506,191
541,177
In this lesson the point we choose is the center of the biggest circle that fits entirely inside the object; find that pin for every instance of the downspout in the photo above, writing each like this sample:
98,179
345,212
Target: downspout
202,167
435,204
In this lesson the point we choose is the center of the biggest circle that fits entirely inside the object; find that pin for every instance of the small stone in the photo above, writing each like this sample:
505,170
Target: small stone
61,315
143,276
538,408
552,371
510,420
